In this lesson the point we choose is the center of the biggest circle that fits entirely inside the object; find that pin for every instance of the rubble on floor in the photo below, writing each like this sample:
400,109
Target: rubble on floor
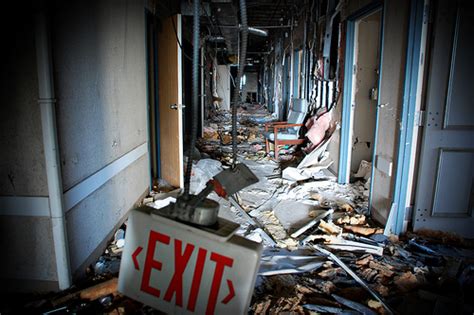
322,253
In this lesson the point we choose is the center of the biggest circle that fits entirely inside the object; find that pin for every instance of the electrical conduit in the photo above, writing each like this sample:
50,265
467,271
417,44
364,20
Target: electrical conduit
51,151
195,100
236,98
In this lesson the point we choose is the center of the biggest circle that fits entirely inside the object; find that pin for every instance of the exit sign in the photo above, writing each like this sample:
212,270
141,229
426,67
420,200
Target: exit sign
181,269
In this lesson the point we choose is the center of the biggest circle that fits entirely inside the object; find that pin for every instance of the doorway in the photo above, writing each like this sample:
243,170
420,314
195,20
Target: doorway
360,96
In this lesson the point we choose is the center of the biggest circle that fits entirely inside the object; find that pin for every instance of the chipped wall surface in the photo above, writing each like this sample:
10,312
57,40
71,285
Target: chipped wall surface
22,166
391,97
100,78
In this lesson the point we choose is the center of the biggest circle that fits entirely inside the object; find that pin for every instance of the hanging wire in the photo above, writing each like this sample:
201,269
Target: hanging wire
180,46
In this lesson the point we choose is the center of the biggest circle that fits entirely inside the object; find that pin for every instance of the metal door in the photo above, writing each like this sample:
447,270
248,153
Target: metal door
445,190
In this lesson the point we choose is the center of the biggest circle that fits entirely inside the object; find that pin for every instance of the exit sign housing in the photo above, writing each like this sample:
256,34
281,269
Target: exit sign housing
182,269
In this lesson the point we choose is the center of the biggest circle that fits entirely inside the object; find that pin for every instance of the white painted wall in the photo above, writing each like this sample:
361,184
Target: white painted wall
251,84
223,85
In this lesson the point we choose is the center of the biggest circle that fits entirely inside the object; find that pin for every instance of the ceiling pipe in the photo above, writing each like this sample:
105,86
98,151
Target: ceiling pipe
258,32
46,102
215,39
258,26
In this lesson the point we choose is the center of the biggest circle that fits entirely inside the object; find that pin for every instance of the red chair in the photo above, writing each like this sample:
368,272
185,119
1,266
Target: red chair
286,132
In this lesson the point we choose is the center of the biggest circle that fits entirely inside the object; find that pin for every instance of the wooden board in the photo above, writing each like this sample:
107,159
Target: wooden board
169,93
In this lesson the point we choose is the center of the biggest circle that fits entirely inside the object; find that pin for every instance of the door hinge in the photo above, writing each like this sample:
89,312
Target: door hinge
420,118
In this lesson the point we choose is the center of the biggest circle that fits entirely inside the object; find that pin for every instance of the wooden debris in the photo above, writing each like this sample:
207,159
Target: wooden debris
346,207
262,307
90,293
406,282
330,273
99,290
226,139
328,287
361,230
329,228
384,270
376,305
364,260
311,223
316,196
382,290
441,237
370,275
358,219
305,290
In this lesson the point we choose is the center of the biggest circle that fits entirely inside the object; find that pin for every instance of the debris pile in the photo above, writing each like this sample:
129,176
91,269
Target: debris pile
322,252
216,142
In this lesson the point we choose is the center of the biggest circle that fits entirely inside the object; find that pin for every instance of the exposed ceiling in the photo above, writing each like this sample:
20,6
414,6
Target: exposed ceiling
270,15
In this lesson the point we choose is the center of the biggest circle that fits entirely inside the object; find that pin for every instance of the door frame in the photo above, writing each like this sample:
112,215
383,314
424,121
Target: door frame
347,112
153,118
412,99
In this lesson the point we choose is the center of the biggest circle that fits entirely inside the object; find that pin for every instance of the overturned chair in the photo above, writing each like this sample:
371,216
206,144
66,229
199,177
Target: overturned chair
287,132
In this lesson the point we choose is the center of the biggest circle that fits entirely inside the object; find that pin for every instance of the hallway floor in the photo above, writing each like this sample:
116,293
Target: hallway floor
419,273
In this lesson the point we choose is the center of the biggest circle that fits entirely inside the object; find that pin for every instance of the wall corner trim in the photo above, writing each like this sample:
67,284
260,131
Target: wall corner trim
24,206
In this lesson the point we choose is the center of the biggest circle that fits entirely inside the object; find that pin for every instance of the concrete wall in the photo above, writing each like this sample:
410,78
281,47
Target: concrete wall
99,64
100,74
223,85
22,166
25,227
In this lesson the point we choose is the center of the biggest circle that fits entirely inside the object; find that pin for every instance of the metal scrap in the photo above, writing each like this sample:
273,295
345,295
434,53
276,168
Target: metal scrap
355,276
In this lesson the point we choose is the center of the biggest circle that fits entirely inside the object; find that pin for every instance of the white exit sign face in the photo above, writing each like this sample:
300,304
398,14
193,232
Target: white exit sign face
179,269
